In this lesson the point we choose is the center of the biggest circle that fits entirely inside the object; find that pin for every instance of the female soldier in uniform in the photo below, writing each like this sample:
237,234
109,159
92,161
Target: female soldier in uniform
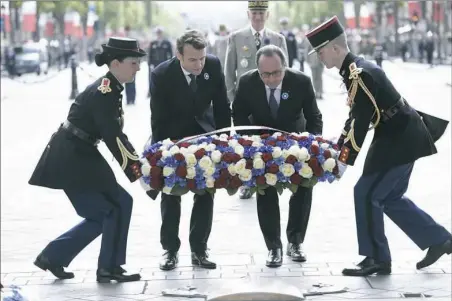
72,162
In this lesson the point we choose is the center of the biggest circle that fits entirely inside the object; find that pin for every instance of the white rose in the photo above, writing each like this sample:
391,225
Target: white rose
167,171
258,163
325,145
184,150
257,155
334,153
146,169
239,150
256,138
210,147
306,171
329,164
256,144
216,156
167,190
209,171
277,134
304,134
191,173
276,152
215,136
224,137
303,154
190,159
232,170
285,153
240,166
271,179
162,148
294,150
165,154
246,175
192,149
174,149
233,143
167,142
210,182
287,169
205,162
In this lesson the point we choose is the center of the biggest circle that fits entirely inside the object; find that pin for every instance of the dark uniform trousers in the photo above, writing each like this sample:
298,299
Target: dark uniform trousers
383,192
269,216
130,92
103,213
200,222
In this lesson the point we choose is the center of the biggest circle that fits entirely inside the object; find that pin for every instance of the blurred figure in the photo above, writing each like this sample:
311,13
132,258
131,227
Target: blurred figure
303,46
429,48
290,40
67,50
130,87
160,50
379,55
404,50
221,44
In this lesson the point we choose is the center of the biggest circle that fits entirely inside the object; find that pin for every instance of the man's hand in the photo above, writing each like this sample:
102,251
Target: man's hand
342,167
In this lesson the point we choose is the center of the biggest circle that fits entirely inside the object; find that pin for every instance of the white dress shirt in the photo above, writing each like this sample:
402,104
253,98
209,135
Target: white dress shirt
277,93
187,75
261,33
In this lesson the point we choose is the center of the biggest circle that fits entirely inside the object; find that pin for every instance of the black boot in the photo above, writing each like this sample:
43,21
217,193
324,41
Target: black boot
434,253
295,251
43,263
200,259
274,259
106,275
169,261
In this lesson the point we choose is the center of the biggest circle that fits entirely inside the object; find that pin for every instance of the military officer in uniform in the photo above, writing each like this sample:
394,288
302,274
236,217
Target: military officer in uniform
160,50
221,44
241,53
72,162
292,47
402,135
131,91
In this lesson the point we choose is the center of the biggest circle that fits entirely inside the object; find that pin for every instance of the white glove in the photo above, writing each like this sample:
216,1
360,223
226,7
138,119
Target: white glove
342,167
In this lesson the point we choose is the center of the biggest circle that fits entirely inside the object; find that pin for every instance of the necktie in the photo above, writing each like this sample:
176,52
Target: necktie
273,104
193,84
257,39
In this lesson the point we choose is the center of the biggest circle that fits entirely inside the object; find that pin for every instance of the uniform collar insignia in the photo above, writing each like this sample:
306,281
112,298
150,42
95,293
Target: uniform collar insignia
104,86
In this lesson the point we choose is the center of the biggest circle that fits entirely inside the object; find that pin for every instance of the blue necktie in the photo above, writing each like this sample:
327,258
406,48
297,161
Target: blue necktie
273,104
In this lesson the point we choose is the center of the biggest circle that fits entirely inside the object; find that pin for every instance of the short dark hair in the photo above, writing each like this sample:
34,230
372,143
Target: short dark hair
269,51
192,37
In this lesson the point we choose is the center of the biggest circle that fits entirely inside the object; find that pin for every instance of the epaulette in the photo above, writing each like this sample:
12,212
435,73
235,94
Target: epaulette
354,71
104,87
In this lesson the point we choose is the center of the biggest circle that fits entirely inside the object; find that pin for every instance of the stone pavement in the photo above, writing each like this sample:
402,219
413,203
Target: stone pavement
32,216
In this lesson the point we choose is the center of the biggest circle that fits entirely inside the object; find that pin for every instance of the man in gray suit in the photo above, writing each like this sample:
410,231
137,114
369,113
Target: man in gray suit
241,52
221,44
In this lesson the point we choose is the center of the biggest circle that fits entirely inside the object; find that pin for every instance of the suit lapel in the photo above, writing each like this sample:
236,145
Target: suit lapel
285,98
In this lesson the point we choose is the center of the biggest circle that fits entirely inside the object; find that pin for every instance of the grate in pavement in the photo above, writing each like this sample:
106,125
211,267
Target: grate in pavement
414,295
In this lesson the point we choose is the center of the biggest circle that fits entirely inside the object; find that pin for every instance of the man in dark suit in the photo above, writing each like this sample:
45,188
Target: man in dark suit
292,48
284,99
188,97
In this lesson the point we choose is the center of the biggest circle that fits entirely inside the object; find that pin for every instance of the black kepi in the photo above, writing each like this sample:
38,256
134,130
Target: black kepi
324,33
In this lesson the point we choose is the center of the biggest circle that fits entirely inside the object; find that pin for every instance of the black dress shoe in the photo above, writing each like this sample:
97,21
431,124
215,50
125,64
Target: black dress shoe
434,253
200,259
43,263
274,259
169,261
106,275
245,193
295,251
369,267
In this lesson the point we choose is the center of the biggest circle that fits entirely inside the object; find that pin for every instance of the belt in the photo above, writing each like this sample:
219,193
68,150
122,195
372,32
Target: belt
79,133
389,113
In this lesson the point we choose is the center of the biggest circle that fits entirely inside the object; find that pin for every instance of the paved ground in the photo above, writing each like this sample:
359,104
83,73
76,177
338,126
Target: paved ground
31,216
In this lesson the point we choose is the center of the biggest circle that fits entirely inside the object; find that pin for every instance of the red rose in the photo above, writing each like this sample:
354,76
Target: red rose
318,171
235,182
291,159
267,157
220,183
179,157
303,138
184,144
336,170
274,168
265,136
335,147
313,162
153,161
281,138
315,149
236,158
295,179
156,172
320,139
191,184
181,171
200,153
260,180
224,174
227,157
249,164
271,142
156,183
246,142
327,154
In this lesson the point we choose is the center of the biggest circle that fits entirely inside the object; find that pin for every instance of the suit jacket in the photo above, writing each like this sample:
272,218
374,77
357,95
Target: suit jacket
241,55
407,136
297,113
71,163
292,47
177,112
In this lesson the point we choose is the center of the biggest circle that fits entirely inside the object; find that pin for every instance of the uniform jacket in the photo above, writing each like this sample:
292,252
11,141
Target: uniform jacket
241,54
159,51
402,139
297,113
292,47
178,112
71,163
219,48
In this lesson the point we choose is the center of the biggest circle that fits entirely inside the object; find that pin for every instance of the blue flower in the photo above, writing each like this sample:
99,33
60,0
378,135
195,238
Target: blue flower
170,181
297,166
258,172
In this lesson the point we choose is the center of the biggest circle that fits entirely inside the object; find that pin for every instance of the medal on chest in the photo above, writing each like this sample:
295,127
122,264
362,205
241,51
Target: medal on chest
244,63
